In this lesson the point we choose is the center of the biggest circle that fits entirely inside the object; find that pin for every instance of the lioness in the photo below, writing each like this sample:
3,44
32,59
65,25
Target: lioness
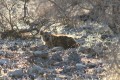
52,40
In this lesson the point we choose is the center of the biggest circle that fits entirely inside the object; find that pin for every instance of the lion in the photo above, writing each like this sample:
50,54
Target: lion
52,40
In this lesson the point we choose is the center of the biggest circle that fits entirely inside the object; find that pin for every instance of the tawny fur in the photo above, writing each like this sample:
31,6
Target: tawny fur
52,40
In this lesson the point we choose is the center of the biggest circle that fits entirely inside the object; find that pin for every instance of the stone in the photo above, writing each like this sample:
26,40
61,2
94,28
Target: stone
2,53
105,36
68,69
73,55
13,48
9,55
80,66
91,52
4,61
56,57
35,70
16,74
56,49
42,54
39,48
57,78
91,65
99,70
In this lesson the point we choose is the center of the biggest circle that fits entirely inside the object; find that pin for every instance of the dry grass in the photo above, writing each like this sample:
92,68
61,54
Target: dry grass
112,74
113,67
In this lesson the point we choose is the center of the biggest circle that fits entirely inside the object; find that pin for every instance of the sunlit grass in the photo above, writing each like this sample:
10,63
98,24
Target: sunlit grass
112,74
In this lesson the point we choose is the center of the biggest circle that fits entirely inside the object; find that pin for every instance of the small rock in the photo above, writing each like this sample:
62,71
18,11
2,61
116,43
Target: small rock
9,55
81,41
61,76
26,45
56,57
16,74
58,78
2,53
99,70
80,66
4,61
24,48
42,54
39,48
20,51
73,55
13,48
33,76
105,36
91,65
57,49
68,69
91,52
39,78
35,69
